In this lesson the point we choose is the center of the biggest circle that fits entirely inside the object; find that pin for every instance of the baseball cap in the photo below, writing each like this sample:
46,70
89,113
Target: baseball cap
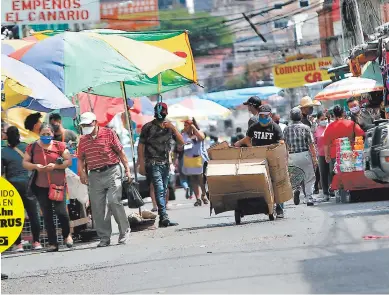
265,109
87,118
254,101
163,105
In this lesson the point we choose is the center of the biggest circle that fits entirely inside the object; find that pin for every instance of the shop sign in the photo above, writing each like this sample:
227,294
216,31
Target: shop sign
49,11
298,73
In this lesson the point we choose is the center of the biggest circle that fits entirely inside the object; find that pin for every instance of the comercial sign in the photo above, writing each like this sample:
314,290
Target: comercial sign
130,15
298,73
49,11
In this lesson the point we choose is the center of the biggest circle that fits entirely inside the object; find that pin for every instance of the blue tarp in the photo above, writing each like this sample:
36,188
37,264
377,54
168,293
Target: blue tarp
233,98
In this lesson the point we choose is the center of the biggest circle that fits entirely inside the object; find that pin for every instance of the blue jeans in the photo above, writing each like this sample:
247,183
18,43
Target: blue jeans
158,175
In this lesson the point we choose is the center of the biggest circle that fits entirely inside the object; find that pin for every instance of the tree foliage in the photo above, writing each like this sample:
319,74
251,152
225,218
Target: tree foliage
205,34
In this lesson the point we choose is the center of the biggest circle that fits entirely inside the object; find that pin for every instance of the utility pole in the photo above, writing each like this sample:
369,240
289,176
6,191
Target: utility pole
358,24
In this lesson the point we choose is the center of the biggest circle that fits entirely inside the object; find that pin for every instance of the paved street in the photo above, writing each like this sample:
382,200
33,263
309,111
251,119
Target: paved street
313,250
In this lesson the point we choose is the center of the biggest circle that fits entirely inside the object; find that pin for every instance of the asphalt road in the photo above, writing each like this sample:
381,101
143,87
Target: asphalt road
313,250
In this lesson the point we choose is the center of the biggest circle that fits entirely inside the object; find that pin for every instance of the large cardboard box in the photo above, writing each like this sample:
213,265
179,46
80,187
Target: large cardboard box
277,159
232,180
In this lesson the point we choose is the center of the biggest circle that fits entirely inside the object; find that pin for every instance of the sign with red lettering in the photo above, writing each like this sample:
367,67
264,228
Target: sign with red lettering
300,72
49,11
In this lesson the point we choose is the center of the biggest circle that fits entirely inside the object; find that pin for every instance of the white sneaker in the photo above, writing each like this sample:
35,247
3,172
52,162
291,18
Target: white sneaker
123,239
19,248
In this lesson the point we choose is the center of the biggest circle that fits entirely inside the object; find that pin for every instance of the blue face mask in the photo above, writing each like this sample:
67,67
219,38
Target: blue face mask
264,121
46,139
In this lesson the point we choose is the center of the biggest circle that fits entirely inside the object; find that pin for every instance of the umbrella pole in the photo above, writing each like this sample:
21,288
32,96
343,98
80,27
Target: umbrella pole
129,127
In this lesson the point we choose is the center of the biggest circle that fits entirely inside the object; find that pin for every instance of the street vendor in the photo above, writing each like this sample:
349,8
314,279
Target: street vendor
360,115
341,127
264,132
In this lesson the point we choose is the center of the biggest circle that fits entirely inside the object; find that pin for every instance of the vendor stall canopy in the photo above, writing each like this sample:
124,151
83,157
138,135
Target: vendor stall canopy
234,98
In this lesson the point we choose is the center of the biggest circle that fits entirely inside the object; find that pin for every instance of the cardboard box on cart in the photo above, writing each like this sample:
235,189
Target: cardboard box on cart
277,159
232,180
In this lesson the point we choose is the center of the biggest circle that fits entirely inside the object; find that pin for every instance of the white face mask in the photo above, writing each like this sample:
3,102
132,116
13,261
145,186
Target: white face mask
87,130
323,123
355,109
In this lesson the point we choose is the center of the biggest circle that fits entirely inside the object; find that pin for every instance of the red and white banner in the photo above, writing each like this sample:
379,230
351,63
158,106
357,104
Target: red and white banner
49,11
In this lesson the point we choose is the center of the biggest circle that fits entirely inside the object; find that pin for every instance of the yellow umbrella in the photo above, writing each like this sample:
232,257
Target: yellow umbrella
15,117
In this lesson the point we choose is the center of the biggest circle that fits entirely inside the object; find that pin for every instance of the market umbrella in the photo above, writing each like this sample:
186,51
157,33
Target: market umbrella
10,46
77,62
205,107
143,105
41,35
25,86
179,112
353,86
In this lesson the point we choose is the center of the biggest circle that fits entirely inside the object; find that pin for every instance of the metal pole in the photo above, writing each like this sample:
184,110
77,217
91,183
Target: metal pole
359,32
129,127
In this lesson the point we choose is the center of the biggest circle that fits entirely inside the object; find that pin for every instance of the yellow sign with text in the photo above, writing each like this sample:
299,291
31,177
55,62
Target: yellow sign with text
11,214
298,73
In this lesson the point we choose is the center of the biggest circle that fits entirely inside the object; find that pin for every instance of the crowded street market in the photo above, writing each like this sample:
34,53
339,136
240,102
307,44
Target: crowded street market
122,163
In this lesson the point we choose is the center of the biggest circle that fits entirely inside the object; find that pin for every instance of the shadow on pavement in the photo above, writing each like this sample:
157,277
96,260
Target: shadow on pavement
360,272
222,225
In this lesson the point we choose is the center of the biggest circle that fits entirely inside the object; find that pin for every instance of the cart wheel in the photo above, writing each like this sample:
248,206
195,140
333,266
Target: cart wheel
237,217
296,197
271,217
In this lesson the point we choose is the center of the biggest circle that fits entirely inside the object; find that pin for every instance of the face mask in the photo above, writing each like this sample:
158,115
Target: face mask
323,123
55,128
46,139
160,118
264,121
355,109
87,130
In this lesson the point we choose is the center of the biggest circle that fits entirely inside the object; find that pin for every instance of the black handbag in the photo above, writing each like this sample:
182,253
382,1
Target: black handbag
33,175
131,193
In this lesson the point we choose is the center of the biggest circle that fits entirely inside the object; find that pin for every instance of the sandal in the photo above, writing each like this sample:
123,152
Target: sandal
52,248
197,203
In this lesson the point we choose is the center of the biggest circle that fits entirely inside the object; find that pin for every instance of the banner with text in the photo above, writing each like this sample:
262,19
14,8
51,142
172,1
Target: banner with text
298,73
49,11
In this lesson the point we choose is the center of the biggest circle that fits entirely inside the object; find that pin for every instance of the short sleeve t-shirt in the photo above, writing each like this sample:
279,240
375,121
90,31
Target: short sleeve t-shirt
11,163
57,176
339,129
265,135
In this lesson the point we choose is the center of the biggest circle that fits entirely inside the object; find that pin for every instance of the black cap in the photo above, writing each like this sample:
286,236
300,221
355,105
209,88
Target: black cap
254,101
265,108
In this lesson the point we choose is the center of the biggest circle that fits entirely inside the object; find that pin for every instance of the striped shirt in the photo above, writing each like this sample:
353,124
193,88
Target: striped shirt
101,151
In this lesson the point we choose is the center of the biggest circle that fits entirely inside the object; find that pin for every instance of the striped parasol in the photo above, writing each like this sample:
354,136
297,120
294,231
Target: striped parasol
353,86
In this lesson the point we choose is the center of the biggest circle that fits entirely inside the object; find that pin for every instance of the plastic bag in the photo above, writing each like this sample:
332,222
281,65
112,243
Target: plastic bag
131,193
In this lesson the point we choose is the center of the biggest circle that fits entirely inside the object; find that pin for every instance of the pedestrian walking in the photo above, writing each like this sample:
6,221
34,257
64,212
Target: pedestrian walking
50,159
341,127
306,106
277,119
195,159
302,152
99,155
324,167
11,167
264,132
153,156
